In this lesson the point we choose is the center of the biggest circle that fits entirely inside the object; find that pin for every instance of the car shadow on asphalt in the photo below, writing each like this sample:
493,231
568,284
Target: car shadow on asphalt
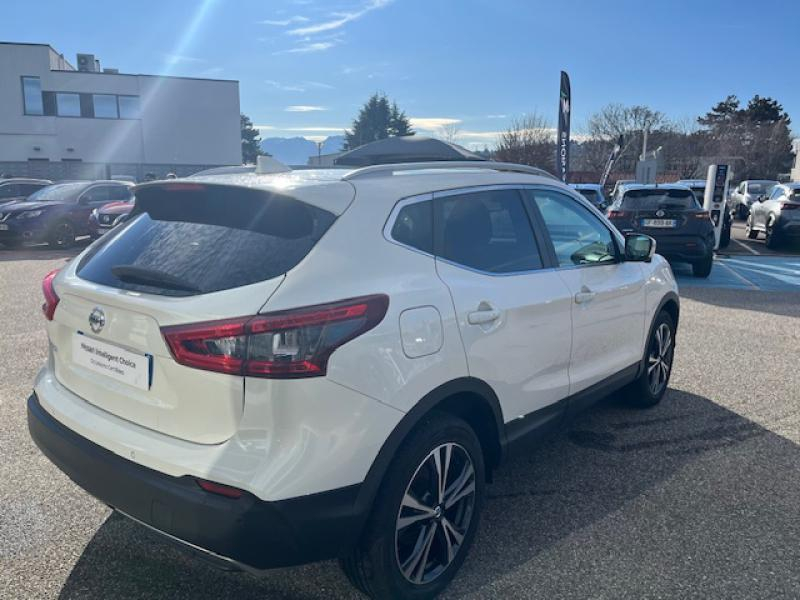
610,464
785,304
42,252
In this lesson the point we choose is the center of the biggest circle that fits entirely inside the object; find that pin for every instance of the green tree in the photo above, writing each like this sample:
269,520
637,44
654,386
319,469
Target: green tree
377,120
251,141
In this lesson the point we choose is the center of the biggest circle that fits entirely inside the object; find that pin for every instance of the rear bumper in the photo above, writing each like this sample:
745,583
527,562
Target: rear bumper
246,532
684,248
789,229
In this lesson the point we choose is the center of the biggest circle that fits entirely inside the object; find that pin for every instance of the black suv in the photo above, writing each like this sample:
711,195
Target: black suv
671,214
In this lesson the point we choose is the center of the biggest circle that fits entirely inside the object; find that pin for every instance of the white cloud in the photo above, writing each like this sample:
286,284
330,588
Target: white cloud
304,108
285,22
496,116
283,86
313,47
182,58
340,19
318,85
432,123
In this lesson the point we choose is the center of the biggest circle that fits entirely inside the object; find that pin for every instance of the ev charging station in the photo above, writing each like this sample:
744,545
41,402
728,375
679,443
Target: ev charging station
715,198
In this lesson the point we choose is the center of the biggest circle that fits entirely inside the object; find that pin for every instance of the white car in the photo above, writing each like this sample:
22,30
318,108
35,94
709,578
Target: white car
277,369
746,194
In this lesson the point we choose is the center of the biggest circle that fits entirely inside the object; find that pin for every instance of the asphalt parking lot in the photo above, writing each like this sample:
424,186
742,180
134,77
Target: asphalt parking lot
699,497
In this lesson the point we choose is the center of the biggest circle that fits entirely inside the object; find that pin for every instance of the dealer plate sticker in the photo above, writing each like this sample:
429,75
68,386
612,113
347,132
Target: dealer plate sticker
111,361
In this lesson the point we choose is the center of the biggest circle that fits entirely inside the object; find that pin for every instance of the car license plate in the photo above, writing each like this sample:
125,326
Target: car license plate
661,223
112,361
3,227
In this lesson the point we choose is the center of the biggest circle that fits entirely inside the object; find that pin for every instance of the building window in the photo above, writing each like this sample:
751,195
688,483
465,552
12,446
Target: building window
32,95
105,106
128,107
68,105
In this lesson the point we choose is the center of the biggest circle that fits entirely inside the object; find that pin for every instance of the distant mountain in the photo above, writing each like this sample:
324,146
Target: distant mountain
296,150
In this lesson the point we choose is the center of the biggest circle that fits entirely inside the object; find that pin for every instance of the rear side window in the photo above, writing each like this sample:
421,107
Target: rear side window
197,239
9,190
654,198
488,231
590,195
414,226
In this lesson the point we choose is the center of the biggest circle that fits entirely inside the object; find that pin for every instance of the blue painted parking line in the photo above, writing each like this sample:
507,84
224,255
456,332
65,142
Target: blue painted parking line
768,273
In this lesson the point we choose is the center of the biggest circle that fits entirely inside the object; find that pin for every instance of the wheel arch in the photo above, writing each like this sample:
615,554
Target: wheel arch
670,303
468,398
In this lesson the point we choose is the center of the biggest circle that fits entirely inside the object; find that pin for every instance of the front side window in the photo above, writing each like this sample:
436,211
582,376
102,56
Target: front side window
119,192
96,195
488,231
579,238
105,106
32,96
68,105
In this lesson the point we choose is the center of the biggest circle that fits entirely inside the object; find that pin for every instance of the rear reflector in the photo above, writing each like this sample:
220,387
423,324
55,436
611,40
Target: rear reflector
705,215
219,489
280,345
789,205
617,214
50,296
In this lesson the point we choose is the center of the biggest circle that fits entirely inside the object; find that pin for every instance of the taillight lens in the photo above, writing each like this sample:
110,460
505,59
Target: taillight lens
617,214
280,345
50,296
703,216
789,205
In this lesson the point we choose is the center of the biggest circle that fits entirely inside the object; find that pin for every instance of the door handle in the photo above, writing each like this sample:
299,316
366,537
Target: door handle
483,316
585,295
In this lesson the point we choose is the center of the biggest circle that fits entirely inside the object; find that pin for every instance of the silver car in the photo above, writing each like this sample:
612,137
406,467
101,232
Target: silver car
746,194
777,216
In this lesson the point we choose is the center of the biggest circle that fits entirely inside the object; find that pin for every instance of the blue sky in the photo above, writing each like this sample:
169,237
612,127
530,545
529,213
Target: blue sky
305,66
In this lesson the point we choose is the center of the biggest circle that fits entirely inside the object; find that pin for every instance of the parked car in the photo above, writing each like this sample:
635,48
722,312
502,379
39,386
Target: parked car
593,192
288,368
748,192
698,187
619,184
671,214
17,188
59,213
102,219
778,217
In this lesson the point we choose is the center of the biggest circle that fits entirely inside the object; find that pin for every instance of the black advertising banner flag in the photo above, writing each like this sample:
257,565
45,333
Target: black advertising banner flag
612,158
564,109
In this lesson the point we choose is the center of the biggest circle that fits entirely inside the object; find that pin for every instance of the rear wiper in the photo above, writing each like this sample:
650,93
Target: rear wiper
153,277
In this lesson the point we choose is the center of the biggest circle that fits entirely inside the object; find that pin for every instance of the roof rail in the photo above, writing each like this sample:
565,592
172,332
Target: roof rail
447,164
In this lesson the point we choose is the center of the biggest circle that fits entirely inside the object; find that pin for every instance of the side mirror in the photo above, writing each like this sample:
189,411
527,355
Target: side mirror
639,247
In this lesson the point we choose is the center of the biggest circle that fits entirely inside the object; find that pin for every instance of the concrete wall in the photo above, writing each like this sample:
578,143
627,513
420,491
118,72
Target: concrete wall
183,121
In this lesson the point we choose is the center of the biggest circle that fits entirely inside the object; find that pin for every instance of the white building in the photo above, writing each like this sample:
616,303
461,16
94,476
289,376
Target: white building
65,123
795,175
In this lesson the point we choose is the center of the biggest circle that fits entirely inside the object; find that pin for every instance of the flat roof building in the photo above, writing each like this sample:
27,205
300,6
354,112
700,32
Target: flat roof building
60,122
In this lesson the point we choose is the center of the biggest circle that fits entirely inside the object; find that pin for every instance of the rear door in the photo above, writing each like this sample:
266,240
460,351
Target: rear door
191,253
513,314
607,294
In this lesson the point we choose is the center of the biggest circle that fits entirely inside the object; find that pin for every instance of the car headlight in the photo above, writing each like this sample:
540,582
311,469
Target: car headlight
29,214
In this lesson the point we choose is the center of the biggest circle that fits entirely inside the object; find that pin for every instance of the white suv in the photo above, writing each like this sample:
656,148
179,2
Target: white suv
277,369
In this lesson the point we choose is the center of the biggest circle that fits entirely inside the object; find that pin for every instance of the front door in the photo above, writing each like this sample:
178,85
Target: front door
608,303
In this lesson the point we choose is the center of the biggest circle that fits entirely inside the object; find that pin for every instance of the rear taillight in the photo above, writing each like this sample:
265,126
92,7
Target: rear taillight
703,216
789,205
50,296
617,214
280,345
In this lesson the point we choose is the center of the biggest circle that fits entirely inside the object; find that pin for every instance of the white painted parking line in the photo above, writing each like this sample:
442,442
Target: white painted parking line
746,247
736,274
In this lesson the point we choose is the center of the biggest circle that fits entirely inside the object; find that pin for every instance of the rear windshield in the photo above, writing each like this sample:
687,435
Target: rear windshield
760,187
655,198
197,239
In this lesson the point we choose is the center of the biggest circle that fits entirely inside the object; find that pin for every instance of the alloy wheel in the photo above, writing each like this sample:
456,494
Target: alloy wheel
435,513
64,235
659,359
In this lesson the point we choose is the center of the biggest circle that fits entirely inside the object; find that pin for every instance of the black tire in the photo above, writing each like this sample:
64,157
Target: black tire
702,268
752,234
62,235
374,566
771,236
642,393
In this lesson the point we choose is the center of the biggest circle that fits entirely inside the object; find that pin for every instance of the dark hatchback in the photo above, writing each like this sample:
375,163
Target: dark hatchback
58,213
669,213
